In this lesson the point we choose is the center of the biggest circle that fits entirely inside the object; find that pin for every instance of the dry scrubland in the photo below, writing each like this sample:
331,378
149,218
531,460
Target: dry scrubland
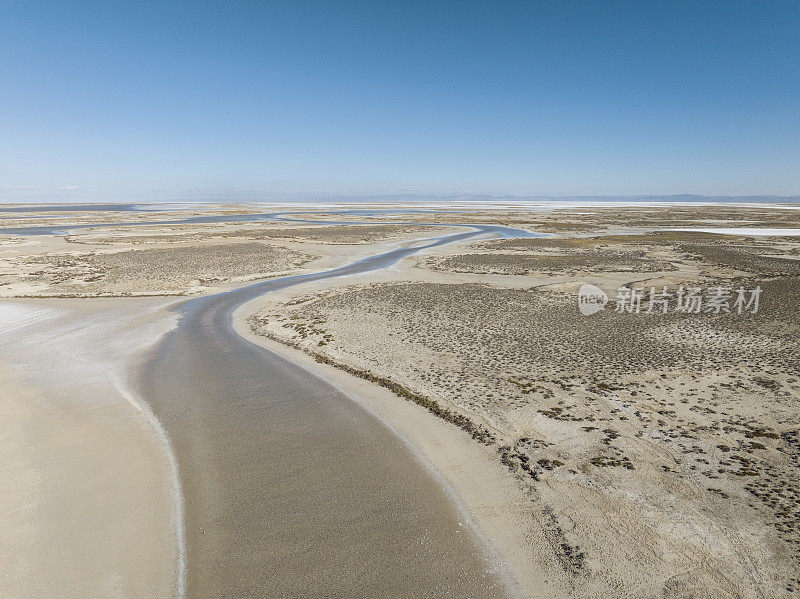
179,259
587,220
161,271
338,235
660,452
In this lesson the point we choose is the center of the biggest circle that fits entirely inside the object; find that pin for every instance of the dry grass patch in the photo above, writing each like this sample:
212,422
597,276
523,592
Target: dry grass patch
156,271
614,422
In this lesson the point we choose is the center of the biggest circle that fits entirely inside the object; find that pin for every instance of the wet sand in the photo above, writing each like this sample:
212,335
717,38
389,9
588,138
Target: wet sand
291,488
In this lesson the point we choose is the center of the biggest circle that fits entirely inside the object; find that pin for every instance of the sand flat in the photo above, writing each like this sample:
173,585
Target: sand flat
90,510
551,503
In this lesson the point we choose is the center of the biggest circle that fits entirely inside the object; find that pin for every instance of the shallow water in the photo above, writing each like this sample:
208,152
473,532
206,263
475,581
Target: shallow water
291,488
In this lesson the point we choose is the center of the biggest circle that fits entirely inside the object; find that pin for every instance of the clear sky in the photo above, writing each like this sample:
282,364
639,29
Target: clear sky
163,100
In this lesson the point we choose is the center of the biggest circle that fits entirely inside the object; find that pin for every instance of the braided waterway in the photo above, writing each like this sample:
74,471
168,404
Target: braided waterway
291,488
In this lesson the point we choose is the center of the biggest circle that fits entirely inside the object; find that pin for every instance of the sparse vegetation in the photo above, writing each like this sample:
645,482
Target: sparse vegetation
587,411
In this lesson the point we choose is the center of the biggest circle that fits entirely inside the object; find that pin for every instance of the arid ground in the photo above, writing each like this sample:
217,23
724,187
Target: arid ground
631,453
659,451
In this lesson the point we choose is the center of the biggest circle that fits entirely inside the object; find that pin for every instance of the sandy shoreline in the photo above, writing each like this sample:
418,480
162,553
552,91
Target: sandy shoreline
467,470
332,501
470,472
87,484
131,475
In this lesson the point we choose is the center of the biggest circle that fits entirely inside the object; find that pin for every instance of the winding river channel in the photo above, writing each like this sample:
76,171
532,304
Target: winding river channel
292,489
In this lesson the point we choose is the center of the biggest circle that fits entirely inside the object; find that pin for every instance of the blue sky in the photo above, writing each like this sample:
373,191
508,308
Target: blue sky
167,100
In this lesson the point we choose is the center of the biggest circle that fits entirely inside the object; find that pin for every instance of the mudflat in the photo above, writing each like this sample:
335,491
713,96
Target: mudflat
472,434
292,489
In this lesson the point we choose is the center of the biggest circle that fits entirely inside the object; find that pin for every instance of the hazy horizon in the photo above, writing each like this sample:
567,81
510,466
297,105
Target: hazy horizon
430,198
